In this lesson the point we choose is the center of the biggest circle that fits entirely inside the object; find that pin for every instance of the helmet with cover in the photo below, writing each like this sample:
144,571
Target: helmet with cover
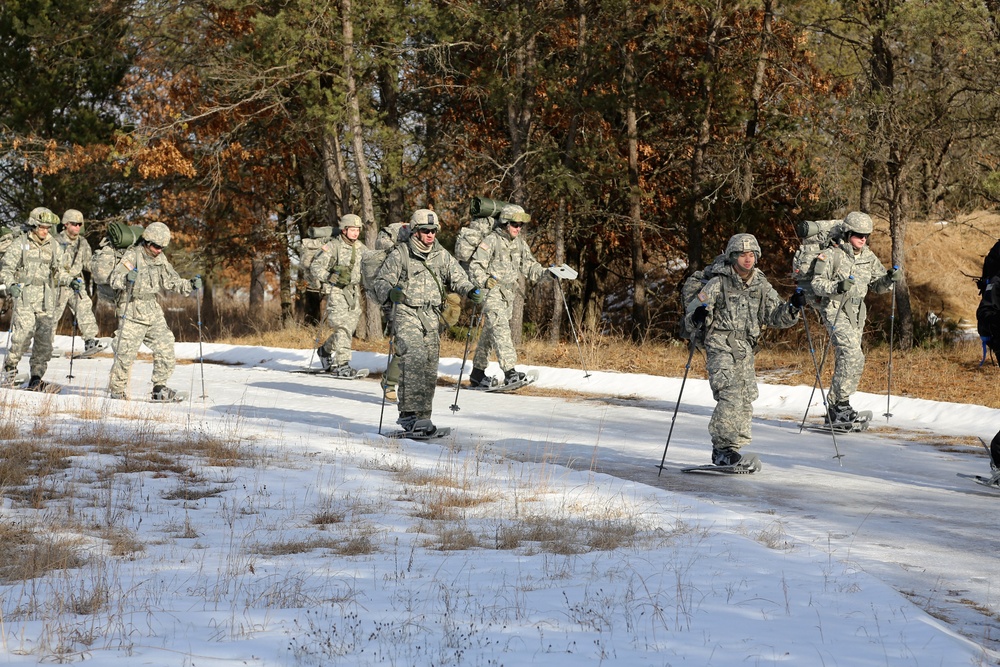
42,217
857,222
424,219
513,213
157,233
72,216
350,220
741,243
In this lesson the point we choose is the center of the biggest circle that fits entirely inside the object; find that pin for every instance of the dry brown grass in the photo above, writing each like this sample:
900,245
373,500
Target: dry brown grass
27,552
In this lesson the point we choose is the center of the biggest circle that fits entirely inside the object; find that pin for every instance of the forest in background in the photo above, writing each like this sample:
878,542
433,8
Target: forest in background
638,135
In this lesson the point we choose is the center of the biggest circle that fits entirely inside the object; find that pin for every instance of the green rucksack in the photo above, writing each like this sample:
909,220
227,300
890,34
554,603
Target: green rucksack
817,236
119,238
689,291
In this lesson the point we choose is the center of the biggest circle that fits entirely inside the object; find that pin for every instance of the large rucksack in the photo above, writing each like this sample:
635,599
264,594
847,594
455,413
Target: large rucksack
988,312
119,238
7,237
689,291
817,236
388,238
484,212
311,246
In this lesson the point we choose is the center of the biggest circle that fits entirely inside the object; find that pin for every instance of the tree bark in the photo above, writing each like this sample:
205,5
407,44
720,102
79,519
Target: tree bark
640,309
700,206
370,327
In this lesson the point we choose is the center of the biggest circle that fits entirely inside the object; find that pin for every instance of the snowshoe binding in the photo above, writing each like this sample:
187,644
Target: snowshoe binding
35,383
478,379
164,394
729,461
514,380
417,429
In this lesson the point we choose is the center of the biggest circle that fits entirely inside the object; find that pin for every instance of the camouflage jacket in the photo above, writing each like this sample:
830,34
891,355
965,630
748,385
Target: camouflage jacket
838,263
338,264
425,277
76,254
738,309
506,259
153,274
32,261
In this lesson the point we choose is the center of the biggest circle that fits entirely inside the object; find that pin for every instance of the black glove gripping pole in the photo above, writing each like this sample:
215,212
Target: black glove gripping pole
687,367
819,384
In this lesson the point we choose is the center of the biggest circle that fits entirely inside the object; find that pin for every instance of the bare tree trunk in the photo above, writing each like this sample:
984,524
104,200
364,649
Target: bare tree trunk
700,207
640,309
370,327
559,248
258,283
745,178
897,230
338,188
285,289
393,183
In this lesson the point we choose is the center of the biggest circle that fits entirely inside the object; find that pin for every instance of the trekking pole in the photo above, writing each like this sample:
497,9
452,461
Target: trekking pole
822,394
892,328
822,363
72,342
201,353
583,363
465,355
388,361
687,367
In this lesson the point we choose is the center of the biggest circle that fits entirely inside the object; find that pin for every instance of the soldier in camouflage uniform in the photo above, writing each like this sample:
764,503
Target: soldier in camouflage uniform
76,255
500,260
397,232
33,269
138,278
338,269
733,306
416,277
843,276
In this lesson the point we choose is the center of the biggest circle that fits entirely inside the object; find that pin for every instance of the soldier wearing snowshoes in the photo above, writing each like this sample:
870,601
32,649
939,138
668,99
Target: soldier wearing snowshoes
338,269
31,273
732,307
415,277
77,254
500,260
843,276
139,277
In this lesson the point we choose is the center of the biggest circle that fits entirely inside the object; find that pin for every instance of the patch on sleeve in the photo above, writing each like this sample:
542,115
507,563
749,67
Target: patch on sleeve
702,296
821,257
484,246
128,265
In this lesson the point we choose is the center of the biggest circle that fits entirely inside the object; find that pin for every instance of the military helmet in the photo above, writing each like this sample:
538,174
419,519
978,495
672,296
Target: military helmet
513,213
72,215
741,243
857,222
424,218
42,217
157,233
350,220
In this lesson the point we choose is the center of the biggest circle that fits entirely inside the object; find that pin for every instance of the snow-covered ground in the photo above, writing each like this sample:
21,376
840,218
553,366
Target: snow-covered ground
540,532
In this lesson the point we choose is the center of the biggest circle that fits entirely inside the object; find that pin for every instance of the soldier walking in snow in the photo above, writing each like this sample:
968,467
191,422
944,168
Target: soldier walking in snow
338,269
31,272
416,276
733,306
500,260
843,276
138,278
77,255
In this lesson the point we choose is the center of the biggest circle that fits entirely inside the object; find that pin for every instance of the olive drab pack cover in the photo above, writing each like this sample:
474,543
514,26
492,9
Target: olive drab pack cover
119,238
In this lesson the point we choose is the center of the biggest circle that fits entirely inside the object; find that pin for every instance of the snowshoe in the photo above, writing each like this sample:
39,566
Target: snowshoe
525,379
164,394
729,462
8,377
91,347
478,379
861,422
35,383
418,429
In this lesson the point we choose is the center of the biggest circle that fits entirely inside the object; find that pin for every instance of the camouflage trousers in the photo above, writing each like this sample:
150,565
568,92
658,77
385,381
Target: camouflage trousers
849,361
144,324
496,335
83,311
417,345
343,317
734,387
31,324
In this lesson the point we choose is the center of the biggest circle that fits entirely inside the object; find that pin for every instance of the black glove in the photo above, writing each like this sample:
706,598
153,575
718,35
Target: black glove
896,274
798,299
196,283
699,315
845,285
76,285
343,277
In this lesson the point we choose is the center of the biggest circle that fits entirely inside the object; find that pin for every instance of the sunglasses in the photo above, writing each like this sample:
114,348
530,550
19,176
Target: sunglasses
860,236
73,224
515,225
154,245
